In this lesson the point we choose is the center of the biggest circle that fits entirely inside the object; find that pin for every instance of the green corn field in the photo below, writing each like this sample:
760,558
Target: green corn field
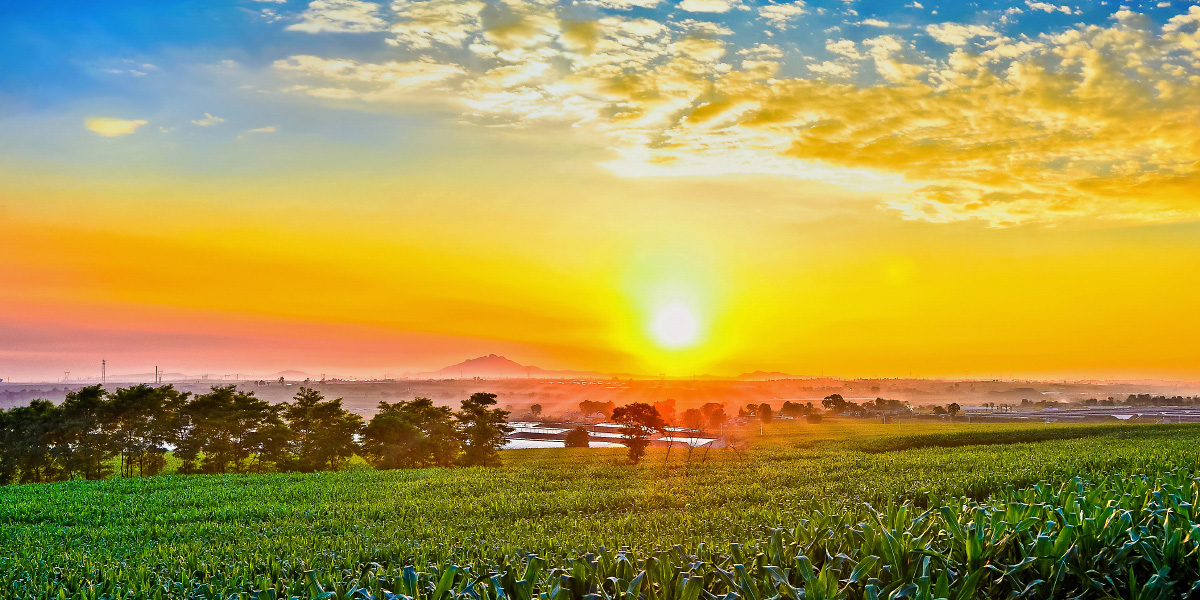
965,512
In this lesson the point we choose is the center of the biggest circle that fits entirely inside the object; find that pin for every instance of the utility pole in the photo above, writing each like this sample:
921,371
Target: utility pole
103,375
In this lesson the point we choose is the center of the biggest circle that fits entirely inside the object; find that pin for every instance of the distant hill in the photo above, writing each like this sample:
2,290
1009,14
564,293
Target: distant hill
290,374
494,366
765,376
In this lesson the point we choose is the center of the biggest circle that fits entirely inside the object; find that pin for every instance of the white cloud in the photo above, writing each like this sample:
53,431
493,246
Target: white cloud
267,129
875,23
111,126
623,4
426,22
1051,8
339,16
955,34
708,6
208,120
780,15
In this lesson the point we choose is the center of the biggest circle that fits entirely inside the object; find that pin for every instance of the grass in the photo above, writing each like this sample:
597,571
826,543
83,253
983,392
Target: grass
240,533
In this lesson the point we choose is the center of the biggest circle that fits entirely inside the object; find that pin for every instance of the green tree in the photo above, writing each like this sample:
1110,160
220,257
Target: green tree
231,431
577,438
146,423
30,440
84,433
484,430
639,421
322,432
411,434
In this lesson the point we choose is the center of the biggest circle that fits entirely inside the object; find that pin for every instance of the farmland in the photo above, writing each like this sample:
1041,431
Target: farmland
789,507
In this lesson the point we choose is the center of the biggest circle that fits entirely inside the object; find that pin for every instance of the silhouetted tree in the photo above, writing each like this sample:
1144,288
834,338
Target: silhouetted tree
577,438
953,408
765,412
411,434
714,414
536,409
322,432
639,421
834,403
693,418
483,430
588,407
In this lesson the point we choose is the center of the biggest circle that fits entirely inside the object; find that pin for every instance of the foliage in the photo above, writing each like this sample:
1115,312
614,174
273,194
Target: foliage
577,438
590,407
638,422
231,431
483,430
411,434
322,432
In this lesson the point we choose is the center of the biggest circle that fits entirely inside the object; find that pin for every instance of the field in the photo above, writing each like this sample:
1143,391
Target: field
953,512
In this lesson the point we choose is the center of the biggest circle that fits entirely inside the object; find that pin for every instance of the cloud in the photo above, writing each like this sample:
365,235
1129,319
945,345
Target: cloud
1089,121
111,126
955,34
348,79
709,6
623,4
422,23
208,120
875,23
339,16
1052,8
267,129
781,15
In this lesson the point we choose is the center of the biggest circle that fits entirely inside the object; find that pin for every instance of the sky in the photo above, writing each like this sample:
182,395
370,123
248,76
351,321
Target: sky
841,188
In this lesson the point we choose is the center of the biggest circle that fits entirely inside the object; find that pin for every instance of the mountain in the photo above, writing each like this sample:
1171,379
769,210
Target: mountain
764,376
290,375
494,366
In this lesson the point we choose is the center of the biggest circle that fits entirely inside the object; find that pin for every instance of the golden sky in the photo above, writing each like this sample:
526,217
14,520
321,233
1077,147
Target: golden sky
709,186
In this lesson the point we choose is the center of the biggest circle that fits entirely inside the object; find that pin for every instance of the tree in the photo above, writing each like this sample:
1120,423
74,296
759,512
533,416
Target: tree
29,443
693,418
227,428
577,438
952,409
483,430
536,409
83,432
938,410
322,432
588,407
411,434
146,424
765,412
639,421
714,414
834,403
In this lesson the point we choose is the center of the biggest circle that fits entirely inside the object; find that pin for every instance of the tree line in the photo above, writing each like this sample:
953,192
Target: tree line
95,434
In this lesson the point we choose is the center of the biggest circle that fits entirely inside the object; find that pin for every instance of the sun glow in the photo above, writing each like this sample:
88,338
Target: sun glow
674,326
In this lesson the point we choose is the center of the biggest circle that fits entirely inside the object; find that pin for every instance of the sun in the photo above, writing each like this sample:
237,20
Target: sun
675,326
